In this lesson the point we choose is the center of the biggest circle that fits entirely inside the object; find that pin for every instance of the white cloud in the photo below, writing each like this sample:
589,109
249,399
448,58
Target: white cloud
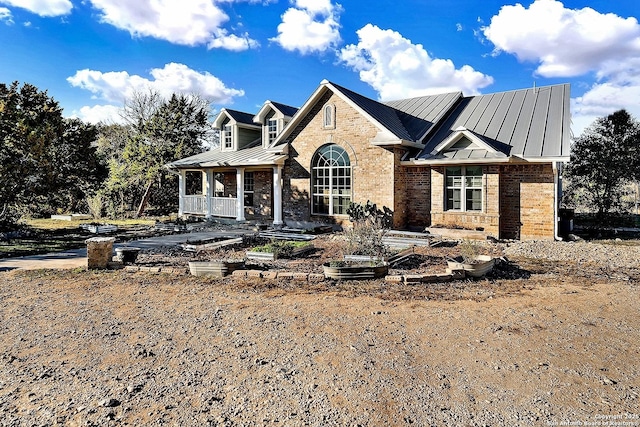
565,42
232,42
573,42
5,15
42,7
108,114
397,68
310,26
187,22
116,86
619,90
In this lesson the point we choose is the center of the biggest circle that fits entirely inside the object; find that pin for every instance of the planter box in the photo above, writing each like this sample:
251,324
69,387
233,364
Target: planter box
99,229
355,271
214,268
270,256
71,217
127,255
362,258
477,269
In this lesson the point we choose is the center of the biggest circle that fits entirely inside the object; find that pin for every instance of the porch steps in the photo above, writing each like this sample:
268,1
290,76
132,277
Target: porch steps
404,239
287,234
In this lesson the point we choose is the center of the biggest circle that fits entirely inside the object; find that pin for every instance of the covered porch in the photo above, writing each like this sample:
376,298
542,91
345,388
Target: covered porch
240,193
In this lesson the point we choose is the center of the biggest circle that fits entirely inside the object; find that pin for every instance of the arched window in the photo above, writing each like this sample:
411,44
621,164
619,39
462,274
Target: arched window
328,116
330,181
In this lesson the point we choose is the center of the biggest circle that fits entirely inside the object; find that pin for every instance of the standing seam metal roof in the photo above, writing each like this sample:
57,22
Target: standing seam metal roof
530,123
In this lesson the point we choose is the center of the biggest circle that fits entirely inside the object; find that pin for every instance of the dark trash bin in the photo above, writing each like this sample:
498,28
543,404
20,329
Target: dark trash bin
566,221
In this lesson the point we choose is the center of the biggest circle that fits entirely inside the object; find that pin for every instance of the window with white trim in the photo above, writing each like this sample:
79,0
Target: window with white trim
464,188
218,185
228,136
329,116
330,181
272,130
194,183
248,189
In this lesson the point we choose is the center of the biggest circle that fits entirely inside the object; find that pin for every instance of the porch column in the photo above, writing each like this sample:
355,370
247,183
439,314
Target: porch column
277,195
240,193
181,192
208,192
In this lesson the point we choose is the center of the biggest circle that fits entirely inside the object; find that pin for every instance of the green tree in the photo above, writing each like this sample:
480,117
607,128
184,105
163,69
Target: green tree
157,131
604,158
47,162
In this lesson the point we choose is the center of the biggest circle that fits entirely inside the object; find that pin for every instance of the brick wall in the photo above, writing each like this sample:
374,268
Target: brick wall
527,202
372,167
488,220
416,182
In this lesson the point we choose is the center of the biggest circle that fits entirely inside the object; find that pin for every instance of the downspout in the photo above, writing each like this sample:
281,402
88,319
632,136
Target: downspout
556,201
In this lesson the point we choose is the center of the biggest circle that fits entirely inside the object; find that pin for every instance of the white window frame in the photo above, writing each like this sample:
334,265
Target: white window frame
331,180
227,136
272,129
462,184
249,187
329,116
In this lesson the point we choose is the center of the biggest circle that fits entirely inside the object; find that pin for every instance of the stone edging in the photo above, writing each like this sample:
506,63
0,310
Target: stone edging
310,277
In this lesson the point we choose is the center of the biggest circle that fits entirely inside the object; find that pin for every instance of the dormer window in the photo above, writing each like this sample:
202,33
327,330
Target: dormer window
272,130
227,136
328,116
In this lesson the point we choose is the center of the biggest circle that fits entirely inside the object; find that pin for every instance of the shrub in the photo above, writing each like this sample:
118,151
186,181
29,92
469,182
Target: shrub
370,225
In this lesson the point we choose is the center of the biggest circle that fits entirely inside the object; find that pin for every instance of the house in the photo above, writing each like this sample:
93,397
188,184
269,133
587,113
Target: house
488,162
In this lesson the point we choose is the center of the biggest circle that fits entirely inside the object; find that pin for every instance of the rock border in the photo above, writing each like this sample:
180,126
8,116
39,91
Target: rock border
448,276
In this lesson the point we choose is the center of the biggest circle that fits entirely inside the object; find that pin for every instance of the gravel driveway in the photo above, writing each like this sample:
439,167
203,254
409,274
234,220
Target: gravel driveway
113,348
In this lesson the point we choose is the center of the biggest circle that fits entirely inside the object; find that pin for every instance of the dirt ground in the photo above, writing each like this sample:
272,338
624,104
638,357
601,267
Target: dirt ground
541,342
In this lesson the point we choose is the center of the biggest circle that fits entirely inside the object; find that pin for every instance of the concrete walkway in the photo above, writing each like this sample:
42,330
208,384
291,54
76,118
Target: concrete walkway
78,258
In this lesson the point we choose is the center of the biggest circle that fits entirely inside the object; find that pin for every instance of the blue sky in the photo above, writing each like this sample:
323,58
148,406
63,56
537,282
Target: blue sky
92,54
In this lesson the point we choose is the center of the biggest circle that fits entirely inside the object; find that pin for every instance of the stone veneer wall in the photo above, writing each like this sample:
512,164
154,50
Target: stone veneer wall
262,192
229,182
372,167
488,220
527,202
262,199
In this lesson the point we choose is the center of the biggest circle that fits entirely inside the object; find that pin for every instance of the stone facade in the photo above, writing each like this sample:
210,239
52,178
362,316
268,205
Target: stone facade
262,195
373,168
262,207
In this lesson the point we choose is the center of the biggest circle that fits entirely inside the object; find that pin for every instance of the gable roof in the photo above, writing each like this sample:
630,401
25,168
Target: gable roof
532,124
396,126
238,116
287,110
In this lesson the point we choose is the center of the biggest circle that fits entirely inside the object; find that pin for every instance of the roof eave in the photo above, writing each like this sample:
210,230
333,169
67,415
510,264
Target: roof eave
273,162
482,161
396,143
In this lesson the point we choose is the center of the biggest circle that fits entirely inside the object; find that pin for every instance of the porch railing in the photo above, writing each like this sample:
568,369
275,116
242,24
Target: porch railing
194,204
224,206
220,206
